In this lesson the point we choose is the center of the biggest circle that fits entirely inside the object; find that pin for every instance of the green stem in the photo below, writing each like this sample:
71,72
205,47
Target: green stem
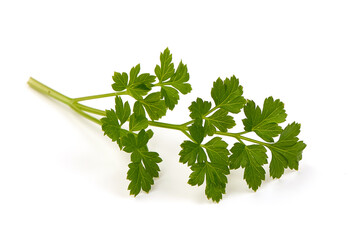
62,98
188,135
38,86
85,115
167,125
254,141
234,135
187,123
90,109
100,96
211,110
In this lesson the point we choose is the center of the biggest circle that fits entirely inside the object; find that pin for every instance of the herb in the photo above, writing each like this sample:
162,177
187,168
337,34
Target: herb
208,156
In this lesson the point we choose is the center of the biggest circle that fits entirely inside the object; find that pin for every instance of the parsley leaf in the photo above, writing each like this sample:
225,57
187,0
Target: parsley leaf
138,119
197,132
167,67
139,85
192,151
265,123
287,151
250,157
110,123
217,151
170,95
214,170
228,94
144,164
199,108
221,120
121,81
180,78
154,106
122,110
170,81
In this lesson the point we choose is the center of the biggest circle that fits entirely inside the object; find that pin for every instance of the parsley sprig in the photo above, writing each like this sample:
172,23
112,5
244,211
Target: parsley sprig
209,160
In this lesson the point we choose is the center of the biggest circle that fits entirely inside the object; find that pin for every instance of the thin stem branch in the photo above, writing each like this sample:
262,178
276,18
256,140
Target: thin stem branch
87,116
187,123
234,135
100,96
167,125
90,109
188,135
254,141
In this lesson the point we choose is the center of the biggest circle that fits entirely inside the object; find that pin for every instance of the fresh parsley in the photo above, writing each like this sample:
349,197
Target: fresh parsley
209,157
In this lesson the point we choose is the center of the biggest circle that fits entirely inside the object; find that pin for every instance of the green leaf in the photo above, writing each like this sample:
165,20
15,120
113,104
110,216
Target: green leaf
265,123
119,141
138,91
197,132
134,142
134,72
138,119
192,152
198,174
144,164
170,95
138,176
130,143
180,78
150,160
287,151
121,80
217,151
221,120
155,107
138,123
110,125
143,138
122,110
171,82
139,85
215,188
215,179
166,70
228,94
214,170
209,128
250,157
199,108
142,171
139,109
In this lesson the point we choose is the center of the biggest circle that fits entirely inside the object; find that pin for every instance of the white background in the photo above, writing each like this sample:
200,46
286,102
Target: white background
61,179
